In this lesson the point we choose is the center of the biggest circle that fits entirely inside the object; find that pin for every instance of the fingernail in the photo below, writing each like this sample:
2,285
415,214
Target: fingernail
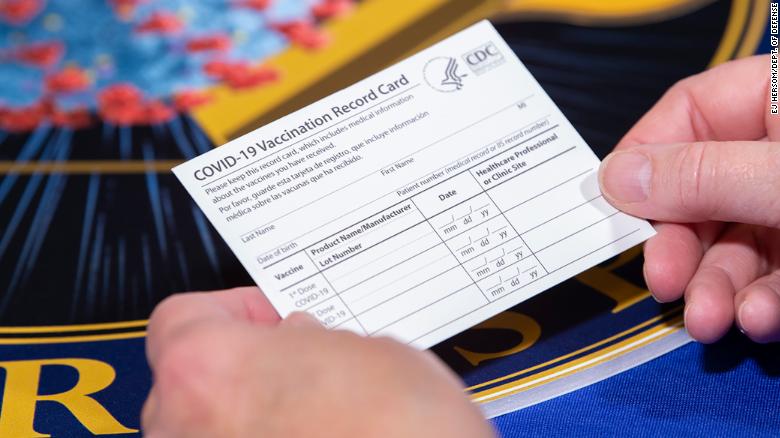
742,314
625,176
302,319
686,312
644,276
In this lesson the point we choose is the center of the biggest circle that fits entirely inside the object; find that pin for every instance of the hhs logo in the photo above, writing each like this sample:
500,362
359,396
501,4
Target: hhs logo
483,58
443,74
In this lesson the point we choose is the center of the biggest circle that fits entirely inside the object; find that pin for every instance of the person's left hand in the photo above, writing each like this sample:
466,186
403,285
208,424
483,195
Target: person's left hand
224,366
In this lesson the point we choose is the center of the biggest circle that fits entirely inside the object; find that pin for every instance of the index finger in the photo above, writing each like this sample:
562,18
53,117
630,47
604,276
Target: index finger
181,310
728,102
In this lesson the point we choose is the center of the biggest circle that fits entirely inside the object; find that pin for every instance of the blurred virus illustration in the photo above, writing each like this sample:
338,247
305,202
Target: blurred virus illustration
139,62
94,100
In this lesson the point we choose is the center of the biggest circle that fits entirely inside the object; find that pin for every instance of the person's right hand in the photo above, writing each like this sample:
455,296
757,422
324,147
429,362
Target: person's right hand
704,163
224,366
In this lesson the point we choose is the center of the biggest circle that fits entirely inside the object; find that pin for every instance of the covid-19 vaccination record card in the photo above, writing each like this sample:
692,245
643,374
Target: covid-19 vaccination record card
419,201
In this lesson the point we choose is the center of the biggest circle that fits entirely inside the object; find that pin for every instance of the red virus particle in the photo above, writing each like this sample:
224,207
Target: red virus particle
155,111
125,9
79,118
160,22
257,5
121,104
46,106
119,94
251,77
19,12
302,33
215,42
219,70
187,99
332,8
22,119
42,55
239,74
67,80
123,115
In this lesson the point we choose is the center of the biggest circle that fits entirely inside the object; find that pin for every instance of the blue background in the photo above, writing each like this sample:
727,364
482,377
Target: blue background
731,388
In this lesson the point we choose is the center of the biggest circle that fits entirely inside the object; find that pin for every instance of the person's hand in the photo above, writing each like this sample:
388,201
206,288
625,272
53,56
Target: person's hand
704,163
224,366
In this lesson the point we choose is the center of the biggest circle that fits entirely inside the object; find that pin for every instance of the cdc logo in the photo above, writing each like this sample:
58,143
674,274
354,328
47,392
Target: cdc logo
483,58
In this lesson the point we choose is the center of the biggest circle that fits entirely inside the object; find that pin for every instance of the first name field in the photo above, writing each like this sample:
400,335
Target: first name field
417,202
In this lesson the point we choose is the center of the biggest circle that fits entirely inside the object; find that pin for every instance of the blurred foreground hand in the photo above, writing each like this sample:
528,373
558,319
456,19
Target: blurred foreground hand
225,366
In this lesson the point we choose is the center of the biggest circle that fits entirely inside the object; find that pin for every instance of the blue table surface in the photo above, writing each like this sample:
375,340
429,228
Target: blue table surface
731,388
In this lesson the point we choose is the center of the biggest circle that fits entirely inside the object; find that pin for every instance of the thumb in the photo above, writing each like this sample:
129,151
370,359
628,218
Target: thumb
735,181
301,320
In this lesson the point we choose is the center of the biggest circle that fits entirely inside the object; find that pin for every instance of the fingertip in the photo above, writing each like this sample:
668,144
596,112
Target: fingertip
707,322
758,314
709,307
258,308
671,259
182,309
624,177
662,281
301,320
170,314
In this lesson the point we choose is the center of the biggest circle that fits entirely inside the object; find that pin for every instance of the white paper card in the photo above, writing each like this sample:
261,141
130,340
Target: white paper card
418,202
